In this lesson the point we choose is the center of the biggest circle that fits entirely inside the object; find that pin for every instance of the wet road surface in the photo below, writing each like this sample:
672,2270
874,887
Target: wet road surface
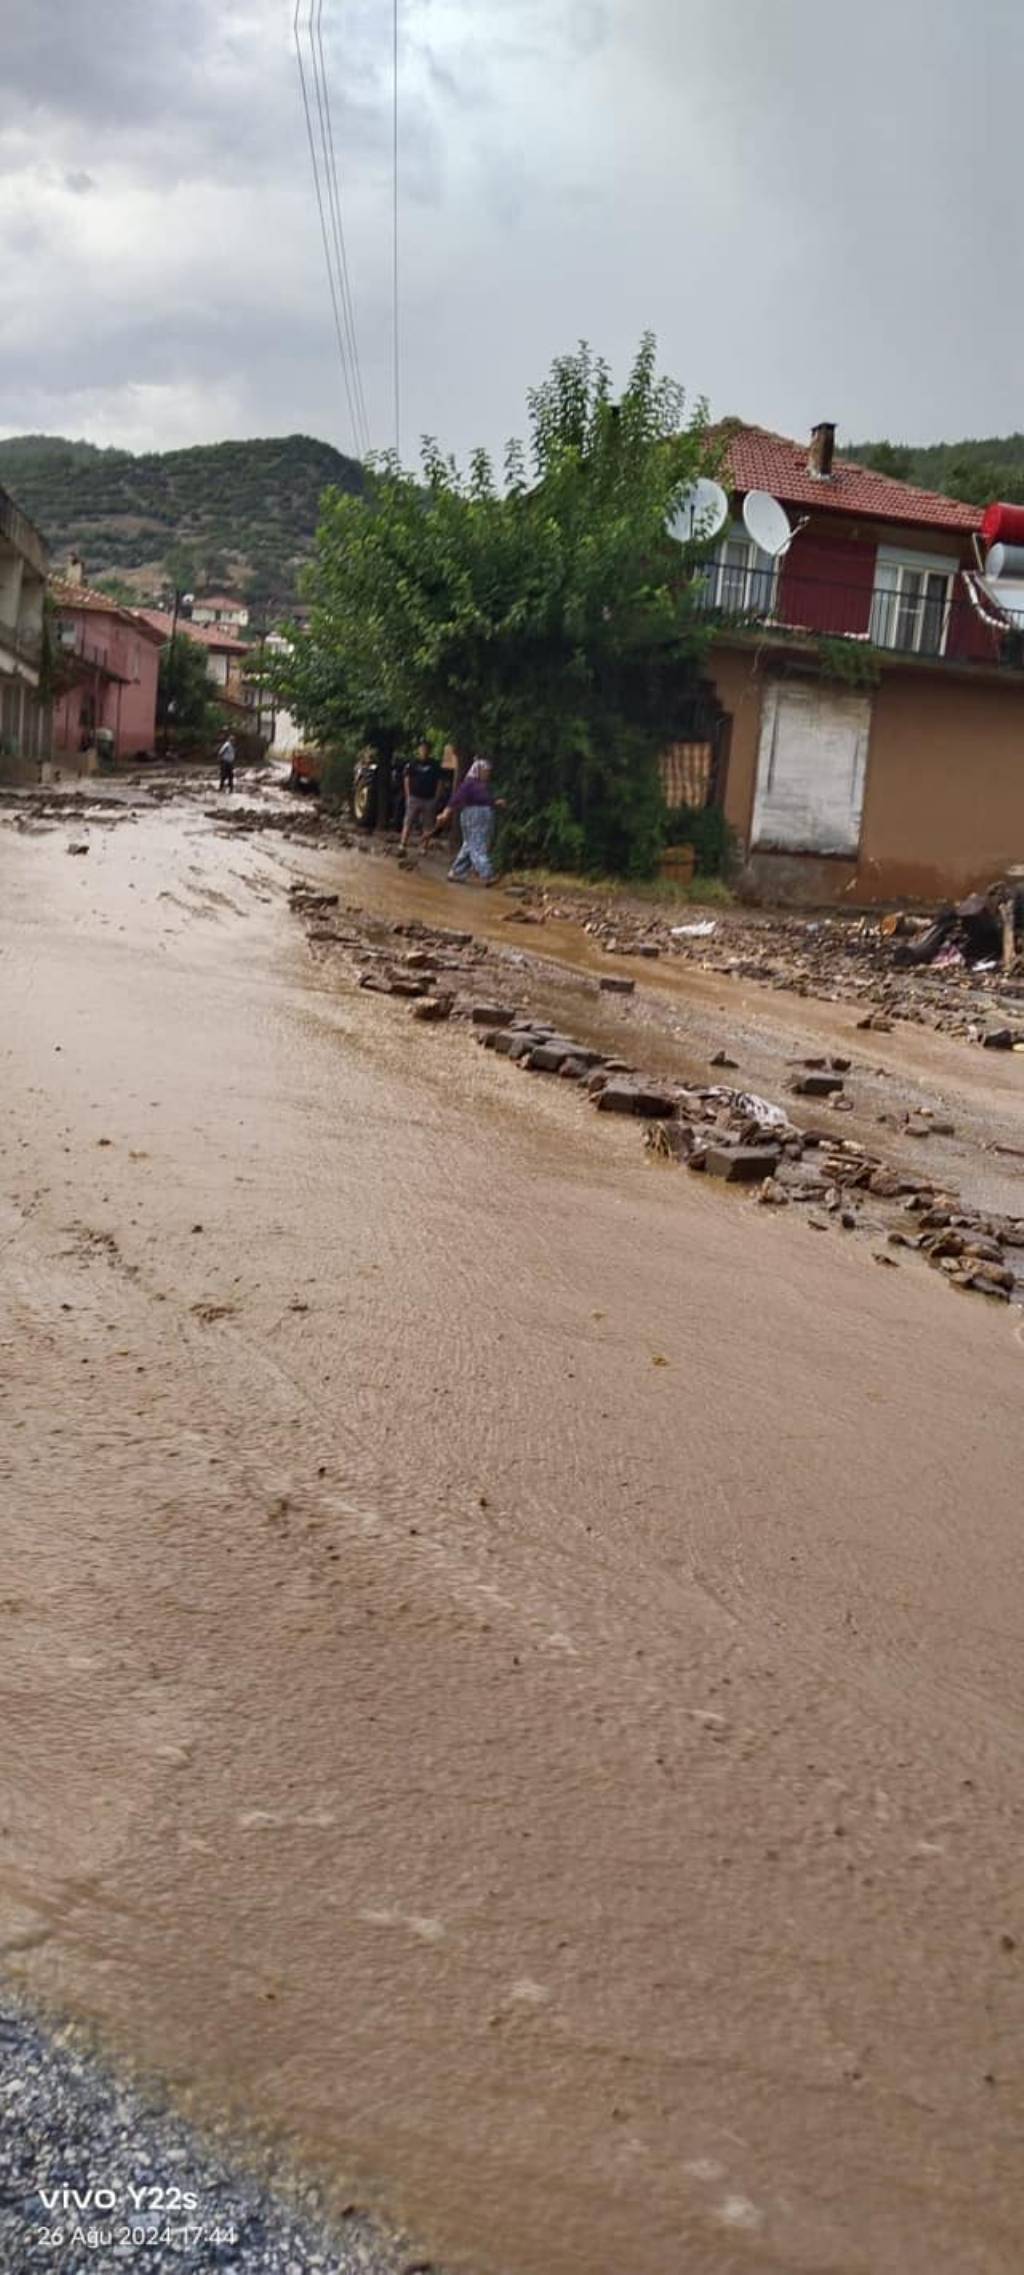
511,1663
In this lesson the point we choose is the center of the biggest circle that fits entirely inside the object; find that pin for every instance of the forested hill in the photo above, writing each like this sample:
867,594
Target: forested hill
240,509
977,471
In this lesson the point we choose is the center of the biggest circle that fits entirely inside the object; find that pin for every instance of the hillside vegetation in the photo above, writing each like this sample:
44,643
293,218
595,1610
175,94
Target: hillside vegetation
242,510
977,471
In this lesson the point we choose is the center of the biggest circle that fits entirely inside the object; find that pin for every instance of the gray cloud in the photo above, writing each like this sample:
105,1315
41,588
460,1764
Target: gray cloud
815,208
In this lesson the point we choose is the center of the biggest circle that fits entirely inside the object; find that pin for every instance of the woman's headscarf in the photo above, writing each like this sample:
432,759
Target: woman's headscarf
478,770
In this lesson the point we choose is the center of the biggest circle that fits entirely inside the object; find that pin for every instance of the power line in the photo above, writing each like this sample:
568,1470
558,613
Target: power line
343,355
334,203
394,231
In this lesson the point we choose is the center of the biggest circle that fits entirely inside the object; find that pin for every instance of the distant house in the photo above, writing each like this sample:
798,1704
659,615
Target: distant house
24,727
219,609
225,656
862,719
105,667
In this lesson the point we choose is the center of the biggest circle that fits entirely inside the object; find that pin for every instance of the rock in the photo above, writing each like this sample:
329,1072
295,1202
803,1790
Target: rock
490,1014
548,1058
78,849
997,1039
742,1164
433,1008
672,1141
879,1025
392,983
619,1096
499,1039
721,1058
573,1070
772,1195
613,985
521,1044
816,1085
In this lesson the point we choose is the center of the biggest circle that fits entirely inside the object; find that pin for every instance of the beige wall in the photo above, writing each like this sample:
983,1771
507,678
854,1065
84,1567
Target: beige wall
944,801
944,794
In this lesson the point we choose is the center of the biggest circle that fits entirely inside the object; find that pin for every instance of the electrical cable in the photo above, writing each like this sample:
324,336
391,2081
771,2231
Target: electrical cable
394,231
325,234
323,99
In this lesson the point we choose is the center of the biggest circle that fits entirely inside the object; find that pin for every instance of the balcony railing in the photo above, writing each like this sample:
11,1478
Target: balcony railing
22,641
110,658
930,617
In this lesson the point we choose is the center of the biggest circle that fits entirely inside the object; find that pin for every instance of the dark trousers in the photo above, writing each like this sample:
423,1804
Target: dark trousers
227,775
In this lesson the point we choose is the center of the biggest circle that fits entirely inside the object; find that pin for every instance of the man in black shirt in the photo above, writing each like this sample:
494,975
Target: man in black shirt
421,780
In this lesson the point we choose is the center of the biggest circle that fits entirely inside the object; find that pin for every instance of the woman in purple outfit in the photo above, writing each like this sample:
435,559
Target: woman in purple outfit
475,803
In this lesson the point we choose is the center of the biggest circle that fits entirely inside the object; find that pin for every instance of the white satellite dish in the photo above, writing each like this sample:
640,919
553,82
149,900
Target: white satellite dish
766,522
702,511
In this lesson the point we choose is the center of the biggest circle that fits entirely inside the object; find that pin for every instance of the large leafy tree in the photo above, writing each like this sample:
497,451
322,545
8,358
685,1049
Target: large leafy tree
547,620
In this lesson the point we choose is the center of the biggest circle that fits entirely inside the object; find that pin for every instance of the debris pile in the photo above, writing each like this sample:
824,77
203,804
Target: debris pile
960,972
710,1127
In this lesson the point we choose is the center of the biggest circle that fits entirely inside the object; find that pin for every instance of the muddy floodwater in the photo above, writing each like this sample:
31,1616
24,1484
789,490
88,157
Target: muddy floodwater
510,1661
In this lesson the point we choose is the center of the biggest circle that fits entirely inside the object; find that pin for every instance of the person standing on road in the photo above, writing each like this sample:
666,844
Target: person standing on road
226,762
421,782
475,804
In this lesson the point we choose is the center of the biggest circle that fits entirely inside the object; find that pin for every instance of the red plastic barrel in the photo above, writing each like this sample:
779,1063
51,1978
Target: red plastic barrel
1003,525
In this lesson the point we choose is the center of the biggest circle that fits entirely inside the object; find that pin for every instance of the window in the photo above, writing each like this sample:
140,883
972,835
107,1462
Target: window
738,578
912,600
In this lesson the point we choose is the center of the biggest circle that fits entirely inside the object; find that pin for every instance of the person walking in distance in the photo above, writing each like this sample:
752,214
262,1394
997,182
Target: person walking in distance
421,782
475,804
226,762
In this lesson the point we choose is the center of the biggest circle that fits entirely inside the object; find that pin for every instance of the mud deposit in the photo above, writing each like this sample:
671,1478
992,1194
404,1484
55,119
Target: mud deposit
511,1660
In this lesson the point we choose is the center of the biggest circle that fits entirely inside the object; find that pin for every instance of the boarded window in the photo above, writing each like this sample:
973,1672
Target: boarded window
811,769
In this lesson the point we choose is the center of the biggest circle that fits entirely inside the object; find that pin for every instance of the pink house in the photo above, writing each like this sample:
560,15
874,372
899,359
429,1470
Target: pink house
106,665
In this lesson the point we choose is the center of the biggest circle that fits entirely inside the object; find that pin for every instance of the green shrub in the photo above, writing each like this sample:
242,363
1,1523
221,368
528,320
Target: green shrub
705,828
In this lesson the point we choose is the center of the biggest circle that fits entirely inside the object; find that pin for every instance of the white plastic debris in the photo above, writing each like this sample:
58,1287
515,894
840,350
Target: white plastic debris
698,931
761,1110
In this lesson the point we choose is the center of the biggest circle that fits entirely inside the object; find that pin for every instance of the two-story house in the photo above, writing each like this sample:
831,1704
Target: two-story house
106,664
865,686
219,611
24,727
225,657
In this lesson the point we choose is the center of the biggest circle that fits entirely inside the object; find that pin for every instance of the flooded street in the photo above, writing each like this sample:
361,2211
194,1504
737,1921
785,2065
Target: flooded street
511,1661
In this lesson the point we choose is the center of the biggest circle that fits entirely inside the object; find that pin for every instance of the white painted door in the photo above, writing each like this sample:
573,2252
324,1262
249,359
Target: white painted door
811,768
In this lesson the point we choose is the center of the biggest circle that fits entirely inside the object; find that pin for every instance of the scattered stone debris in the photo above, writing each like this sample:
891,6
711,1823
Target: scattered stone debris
734,1136
865,960
613,985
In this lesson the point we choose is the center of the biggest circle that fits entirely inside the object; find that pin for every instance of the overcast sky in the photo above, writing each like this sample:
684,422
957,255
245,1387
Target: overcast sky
815,205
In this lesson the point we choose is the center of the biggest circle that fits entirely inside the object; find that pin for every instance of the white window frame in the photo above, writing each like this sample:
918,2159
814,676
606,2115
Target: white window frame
890,608
758,571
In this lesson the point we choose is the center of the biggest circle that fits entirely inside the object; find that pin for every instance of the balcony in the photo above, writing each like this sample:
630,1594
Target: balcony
928,618
23,642
109,657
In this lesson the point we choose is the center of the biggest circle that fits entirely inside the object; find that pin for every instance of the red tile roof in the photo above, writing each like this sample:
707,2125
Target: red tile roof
207,635
758,460
67,597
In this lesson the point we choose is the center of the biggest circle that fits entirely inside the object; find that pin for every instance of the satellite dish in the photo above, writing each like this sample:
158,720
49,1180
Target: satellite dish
702,511
766,522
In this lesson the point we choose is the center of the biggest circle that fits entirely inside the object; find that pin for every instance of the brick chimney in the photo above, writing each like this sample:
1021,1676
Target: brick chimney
819,456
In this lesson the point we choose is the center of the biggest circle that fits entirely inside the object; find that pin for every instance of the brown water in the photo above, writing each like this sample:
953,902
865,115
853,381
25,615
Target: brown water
511,1664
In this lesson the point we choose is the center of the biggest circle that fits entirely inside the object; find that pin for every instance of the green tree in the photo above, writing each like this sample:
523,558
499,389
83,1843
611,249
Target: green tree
892,458
550,621
186,707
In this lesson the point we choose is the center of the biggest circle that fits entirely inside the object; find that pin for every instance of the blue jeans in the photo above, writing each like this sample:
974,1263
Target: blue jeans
475,850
